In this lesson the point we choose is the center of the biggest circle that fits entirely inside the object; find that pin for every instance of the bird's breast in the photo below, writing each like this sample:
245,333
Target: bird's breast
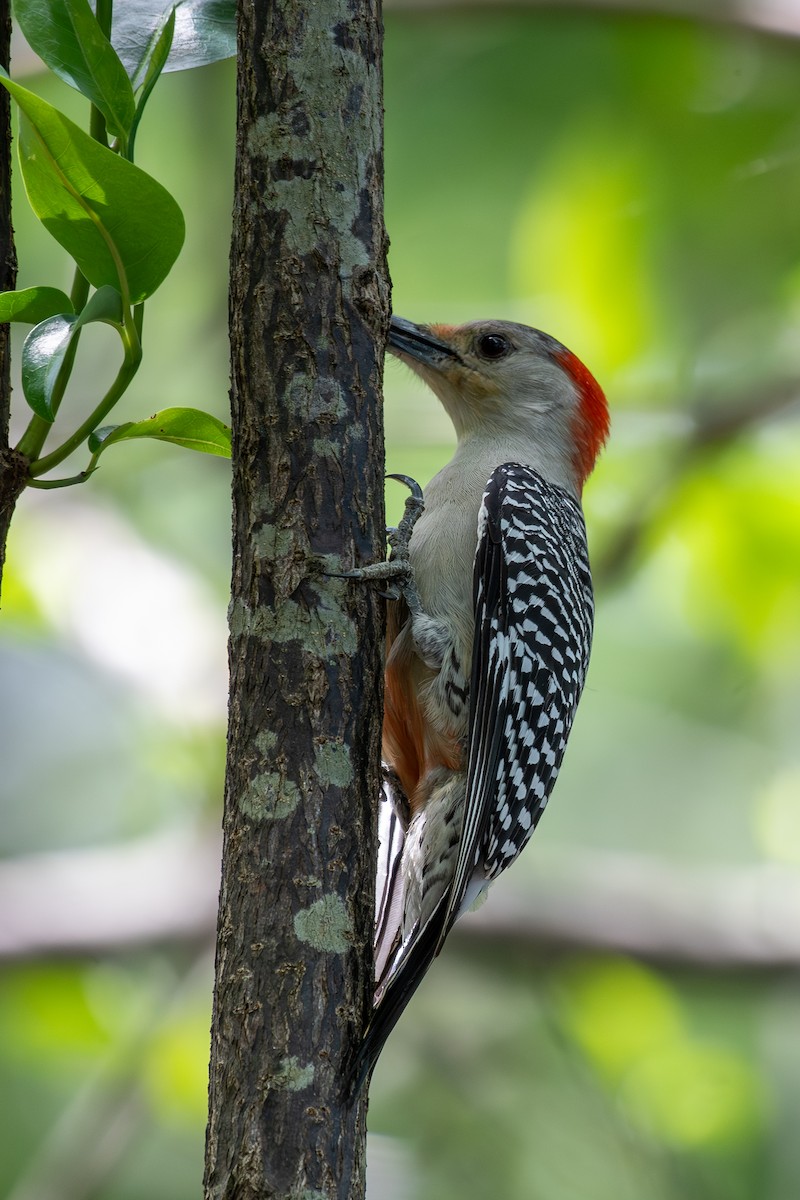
442,552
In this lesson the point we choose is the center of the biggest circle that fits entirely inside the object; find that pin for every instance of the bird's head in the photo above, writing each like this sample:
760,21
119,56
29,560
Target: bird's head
510,382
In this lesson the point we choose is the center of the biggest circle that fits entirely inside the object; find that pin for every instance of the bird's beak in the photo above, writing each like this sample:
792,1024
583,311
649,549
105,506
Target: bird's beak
417,342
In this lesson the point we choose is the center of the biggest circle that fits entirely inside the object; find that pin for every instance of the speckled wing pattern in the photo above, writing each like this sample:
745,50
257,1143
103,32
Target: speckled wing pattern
534,612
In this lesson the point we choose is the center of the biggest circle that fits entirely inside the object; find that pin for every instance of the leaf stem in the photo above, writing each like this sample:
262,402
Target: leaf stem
38,430
130,366
34,438
97,126
59,483
80,290
104,11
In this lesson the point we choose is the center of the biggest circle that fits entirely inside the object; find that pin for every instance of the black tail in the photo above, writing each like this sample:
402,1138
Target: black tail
415,961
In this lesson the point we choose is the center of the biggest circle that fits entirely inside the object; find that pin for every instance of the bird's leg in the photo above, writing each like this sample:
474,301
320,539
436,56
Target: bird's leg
433,638
397,570
400,537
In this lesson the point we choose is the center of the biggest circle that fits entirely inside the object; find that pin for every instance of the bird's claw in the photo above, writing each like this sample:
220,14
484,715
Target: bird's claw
400,537
396,570
411,484
374,572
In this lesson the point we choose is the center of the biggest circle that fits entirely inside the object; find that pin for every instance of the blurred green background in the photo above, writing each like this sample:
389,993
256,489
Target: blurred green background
631,184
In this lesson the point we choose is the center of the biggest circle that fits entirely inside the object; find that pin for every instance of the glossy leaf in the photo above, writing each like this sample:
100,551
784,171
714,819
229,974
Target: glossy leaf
120,225
33,304
66,36
42,356
185,426
151,69
205,32
44,348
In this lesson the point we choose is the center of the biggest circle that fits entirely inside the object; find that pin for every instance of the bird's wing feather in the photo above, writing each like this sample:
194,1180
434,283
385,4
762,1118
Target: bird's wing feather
533,629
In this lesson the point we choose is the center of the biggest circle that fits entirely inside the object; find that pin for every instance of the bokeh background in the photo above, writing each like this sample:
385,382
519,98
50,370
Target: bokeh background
622,1019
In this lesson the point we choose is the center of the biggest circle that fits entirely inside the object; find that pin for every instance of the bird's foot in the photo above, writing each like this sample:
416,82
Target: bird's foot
400,537
397,571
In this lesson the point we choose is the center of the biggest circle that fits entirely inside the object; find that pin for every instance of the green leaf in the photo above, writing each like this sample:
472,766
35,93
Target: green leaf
185,426
33,304
122,227
42,355
152,67
205,32
66,35
105,305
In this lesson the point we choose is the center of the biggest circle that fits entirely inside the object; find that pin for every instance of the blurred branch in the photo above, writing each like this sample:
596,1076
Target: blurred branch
164,888
782,19
710,429
722,917
88,901
719,426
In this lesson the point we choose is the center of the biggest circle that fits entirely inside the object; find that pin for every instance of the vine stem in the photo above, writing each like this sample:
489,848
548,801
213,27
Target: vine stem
38,430
33,439
126,373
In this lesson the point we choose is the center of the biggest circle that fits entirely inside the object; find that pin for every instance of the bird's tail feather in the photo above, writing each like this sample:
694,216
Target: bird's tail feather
392,826
417,955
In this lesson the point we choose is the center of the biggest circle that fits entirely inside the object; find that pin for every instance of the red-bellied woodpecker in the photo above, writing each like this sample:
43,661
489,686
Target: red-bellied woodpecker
489,636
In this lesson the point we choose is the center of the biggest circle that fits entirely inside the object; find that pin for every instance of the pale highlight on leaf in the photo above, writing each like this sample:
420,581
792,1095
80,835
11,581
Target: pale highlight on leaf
186,427
122,227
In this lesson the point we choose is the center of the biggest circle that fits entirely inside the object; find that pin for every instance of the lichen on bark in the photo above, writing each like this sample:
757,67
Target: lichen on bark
309,306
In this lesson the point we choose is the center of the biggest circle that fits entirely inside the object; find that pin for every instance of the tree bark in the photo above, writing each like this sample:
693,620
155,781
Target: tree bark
309,307
13,467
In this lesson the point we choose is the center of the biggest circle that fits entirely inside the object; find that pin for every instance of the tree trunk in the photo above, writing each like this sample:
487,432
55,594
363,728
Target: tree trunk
309,309
12,465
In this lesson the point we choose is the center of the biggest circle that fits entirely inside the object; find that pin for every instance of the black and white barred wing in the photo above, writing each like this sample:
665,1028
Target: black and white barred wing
533,630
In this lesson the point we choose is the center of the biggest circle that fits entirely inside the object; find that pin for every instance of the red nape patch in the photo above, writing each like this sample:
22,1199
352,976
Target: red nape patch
593,422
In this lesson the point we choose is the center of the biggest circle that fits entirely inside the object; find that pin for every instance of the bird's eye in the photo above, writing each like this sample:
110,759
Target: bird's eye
493,345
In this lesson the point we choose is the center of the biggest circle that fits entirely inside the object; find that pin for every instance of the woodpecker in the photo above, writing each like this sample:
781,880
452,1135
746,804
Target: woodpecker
489,630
